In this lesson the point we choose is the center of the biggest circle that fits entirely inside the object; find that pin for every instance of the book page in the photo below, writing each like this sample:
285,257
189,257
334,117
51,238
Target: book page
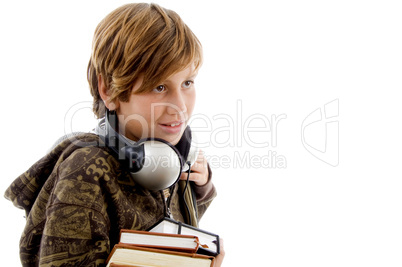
148,258
157,240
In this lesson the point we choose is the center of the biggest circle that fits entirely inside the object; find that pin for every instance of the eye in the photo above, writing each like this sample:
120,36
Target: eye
159,89
188,84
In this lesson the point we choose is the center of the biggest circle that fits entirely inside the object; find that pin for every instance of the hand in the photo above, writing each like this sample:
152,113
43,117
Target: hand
199,171
219,258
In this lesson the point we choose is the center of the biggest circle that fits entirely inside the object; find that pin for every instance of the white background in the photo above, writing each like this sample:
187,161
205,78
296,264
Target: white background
272,58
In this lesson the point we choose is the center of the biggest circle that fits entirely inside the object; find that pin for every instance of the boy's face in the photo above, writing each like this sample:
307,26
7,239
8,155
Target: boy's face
161,113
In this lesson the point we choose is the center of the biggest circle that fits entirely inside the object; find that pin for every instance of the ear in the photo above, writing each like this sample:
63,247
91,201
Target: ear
104,94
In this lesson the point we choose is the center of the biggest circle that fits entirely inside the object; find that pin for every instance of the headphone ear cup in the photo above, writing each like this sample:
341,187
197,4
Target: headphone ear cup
161,166
134,157
153,163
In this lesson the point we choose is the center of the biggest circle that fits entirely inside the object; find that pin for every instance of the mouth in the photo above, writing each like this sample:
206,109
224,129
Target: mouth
172,127
173,124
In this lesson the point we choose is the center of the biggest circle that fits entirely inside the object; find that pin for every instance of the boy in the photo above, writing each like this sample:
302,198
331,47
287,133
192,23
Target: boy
77,198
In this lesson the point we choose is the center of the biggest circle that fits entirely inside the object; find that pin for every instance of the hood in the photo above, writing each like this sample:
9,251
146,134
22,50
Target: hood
25,189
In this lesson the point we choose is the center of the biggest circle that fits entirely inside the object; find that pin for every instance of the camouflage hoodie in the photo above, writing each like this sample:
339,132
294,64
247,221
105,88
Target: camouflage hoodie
78,197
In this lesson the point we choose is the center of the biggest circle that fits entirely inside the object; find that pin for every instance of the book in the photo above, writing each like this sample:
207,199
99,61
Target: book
130,255
209,242
113,264
185,243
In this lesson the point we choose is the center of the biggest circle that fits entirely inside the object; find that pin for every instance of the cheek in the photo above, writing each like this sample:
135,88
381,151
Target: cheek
136,114
155,113
190,103
139,106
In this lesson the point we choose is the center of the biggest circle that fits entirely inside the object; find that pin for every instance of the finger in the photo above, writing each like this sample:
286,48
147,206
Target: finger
199,167
194,177
201,156
183,176
221,245
201,164
199,170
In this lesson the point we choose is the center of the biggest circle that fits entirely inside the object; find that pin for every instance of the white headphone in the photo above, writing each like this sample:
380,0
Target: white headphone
154,163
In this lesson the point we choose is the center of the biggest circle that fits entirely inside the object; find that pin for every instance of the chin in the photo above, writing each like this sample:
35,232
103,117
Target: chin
171,138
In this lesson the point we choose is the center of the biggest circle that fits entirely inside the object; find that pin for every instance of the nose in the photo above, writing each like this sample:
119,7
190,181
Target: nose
177,103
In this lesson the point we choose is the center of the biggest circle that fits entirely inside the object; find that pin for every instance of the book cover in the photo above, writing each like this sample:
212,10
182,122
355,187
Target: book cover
209,242
130,255
185,243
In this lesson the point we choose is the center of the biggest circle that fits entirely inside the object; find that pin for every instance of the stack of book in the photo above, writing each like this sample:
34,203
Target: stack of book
168,243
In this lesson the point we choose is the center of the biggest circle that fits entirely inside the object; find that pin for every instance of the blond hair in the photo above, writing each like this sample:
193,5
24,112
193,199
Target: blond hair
139,39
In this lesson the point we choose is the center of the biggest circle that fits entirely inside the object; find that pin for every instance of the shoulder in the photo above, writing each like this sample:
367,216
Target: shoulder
85,156
84,168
